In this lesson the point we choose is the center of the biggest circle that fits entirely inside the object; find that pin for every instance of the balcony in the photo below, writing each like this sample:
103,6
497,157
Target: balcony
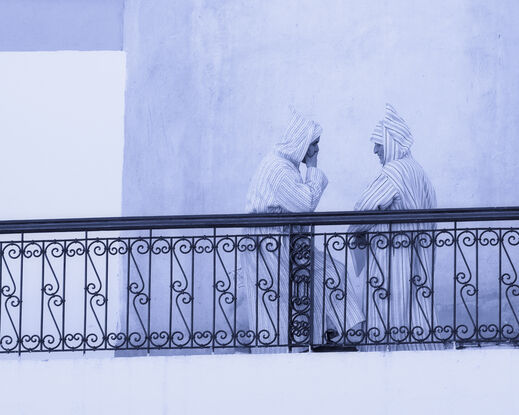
261,283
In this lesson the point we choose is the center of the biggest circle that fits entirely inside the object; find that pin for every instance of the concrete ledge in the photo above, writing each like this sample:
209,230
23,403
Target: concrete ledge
468,381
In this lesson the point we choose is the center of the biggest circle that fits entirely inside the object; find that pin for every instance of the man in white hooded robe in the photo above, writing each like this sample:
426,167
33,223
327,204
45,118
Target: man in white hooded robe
278,187
397,266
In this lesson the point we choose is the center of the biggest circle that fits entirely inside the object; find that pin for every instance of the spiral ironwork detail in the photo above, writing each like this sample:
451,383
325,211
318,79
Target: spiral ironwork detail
418,285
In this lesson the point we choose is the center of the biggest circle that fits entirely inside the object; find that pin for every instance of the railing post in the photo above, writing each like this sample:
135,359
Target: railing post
300,288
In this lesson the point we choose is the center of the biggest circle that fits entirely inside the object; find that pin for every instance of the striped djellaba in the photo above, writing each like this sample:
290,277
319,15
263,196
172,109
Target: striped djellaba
402,271
278,187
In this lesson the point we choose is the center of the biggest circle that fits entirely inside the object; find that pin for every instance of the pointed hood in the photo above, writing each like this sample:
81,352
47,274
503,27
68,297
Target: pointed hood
394,134
297,138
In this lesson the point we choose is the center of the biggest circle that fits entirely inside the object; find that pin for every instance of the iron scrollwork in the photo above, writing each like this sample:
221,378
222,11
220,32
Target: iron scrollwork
185,289
300,289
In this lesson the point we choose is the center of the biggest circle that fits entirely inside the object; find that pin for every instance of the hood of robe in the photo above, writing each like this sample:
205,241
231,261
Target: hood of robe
300,133
394,134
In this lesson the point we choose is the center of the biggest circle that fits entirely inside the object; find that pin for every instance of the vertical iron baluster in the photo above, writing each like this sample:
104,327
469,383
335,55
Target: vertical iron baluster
411,280
455,328
278,331
148,334
64,298
214,291
323,299
368,243
344,327
170,334
290,288
388,292
85,294
107,256
235,329
44,253
20,335
192,290
311,290
432,284
258,247
477,286
500,281
128,254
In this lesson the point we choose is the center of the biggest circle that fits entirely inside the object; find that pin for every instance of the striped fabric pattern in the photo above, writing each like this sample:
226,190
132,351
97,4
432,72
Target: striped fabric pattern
297,138
394,134
401,184
278,187
378,133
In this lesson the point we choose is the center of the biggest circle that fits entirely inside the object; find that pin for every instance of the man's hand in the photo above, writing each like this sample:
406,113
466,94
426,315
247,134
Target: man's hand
361,238
311,161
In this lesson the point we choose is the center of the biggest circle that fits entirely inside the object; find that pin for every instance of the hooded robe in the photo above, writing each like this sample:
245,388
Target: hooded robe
278,187
397,267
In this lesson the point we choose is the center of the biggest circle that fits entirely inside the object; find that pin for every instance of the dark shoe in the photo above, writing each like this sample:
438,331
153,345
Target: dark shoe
333,348
330,345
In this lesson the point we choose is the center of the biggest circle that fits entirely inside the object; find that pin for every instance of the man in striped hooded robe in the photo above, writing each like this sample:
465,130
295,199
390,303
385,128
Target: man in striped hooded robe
278,187
396,266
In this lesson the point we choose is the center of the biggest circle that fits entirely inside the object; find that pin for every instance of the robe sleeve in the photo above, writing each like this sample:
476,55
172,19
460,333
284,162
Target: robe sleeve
296,195
379,195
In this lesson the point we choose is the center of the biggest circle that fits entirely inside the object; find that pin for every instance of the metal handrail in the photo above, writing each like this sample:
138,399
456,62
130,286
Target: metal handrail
259,220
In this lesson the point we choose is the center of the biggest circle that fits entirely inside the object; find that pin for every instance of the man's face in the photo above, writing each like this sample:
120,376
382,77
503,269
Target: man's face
313,148
379,151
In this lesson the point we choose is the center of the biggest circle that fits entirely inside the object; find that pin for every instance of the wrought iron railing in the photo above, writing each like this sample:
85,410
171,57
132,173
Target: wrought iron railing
358,280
